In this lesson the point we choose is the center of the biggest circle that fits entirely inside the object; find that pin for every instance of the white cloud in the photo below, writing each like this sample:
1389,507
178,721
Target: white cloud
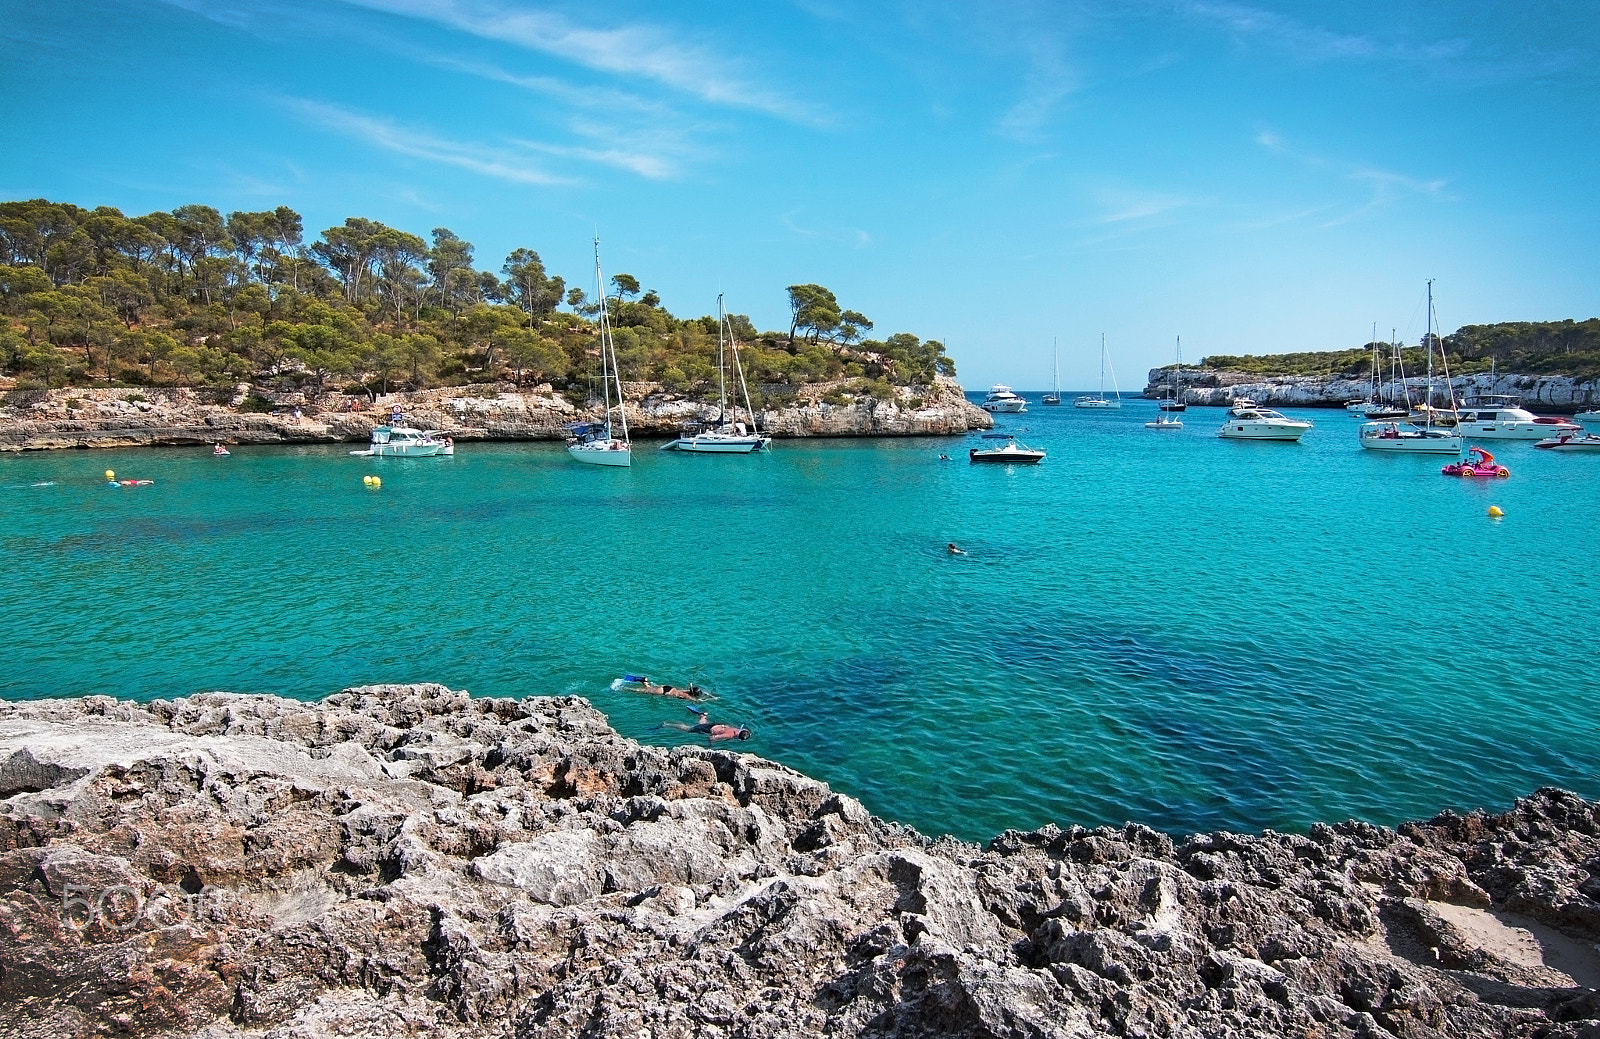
500,163
637,50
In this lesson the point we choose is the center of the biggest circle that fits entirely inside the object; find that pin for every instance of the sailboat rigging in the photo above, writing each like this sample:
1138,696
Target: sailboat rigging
598,443
728,436
1054,396
1426,438
1176,401
1100,400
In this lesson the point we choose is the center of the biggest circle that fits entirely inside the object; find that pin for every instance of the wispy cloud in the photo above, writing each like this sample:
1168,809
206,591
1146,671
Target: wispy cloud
1309,41
1120,206
490,161
636,50
853,236
1383,187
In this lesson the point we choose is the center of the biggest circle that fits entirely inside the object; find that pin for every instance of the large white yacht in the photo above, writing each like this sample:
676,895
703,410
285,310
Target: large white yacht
1503,418
1261,424
1001,398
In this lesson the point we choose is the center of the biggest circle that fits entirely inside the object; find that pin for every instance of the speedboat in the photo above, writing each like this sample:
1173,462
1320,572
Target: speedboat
1393,436
1008,451
1571,442
404,442
1478,463
1502,418
1261,424
1001,398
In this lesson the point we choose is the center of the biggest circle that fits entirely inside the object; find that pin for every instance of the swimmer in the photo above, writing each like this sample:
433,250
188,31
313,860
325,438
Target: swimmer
641,684
714,731
953,550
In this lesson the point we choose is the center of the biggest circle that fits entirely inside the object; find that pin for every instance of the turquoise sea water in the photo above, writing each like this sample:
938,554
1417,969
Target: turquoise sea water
1151,625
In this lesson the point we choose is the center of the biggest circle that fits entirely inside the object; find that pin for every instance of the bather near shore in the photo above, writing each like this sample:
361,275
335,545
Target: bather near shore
410,859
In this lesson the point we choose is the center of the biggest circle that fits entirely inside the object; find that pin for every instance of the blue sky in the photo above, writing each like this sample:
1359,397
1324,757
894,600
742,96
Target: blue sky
1253,177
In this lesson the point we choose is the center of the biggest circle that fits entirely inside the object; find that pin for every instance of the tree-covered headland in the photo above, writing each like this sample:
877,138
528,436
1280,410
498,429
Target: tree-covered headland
1569,348
195,298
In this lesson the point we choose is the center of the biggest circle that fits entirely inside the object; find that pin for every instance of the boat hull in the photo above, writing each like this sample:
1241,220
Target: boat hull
1005,406
1433,444
1097,402
1005,457
1237,430
718,445
1571,443
605,452
1164,423
1515,430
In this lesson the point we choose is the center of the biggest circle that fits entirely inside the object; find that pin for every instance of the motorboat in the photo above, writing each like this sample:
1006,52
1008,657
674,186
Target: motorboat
401,442
1396,436
1241,405
1571,442
1004,449
219,451
727,435
1380,409
1001,399
1100,400
1165,422
1477,463
1589,417
1503,418
1261,424
1426,414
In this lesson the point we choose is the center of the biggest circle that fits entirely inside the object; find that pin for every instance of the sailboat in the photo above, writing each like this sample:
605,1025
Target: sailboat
1100,400
598,443
1054,396
1176,402
726,437
1427,438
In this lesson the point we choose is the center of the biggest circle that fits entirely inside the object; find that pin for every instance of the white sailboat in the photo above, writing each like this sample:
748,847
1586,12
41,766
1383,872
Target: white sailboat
1100,400
1054,396
728,436
598,443
1176,401
1427,438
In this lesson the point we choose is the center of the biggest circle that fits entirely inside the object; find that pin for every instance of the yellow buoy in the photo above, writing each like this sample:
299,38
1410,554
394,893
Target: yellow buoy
1494,510
111,474
367,480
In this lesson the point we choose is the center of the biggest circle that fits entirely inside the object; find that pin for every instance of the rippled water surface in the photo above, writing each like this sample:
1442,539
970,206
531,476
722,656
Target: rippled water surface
1151,625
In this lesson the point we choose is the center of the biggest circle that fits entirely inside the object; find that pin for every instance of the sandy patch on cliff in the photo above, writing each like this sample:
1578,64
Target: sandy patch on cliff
1525,943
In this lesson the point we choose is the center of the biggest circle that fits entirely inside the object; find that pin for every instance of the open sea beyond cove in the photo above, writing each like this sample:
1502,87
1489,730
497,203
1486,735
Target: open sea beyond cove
1152,625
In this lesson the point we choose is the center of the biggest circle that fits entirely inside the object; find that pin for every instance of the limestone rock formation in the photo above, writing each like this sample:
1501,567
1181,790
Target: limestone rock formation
401,860
94,417
1221,388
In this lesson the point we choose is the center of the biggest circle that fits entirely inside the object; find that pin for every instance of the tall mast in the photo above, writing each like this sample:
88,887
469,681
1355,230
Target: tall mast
722,364
608,350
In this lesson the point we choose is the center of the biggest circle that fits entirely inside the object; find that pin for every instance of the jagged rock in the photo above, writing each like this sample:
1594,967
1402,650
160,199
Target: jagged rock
98,417
408,859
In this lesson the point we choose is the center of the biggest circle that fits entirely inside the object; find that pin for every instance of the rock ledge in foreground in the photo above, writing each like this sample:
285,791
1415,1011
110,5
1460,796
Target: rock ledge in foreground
407,859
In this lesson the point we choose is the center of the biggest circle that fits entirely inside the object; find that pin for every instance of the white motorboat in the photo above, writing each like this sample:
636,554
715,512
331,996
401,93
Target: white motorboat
1397,436
1100,400
1572,442
604,442
1006,451
1241,405
1261,424
1589,417
402,442
1001,399
724,437
1501,417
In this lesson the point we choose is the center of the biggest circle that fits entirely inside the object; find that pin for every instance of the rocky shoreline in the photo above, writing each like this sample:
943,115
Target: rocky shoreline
1553,394
135,417
413,860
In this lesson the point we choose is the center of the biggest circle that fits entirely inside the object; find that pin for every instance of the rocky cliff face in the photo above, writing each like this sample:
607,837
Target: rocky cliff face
178,417
410,860
1222,388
